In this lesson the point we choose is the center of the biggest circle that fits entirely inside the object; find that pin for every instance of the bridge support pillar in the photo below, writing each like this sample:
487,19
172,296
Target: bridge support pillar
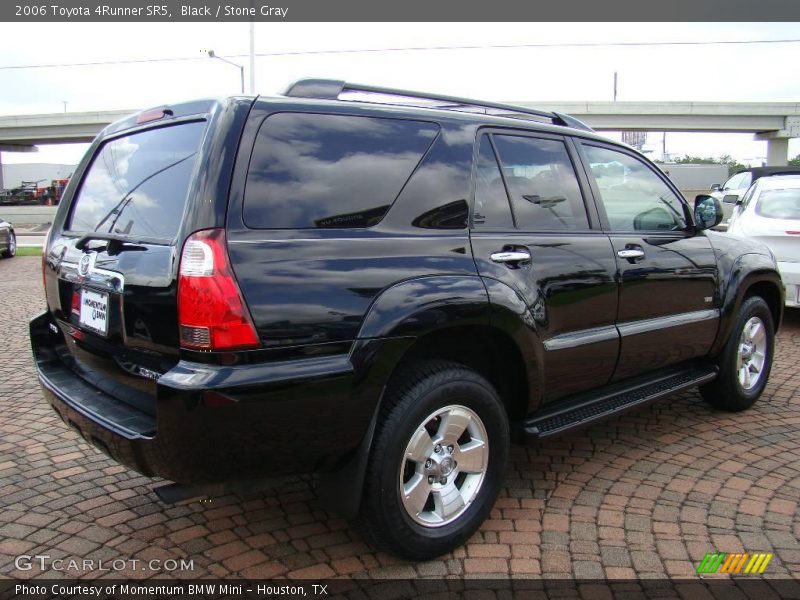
777,152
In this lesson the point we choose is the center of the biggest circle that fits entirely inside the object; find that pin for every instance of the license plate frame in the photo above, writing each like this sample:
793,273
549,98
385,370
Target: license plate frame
93,314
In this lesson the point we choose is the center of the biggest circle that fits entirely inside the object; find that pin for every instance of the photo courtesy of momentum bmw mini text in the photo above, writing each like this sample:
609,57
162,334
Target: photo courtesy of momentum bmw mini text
325,302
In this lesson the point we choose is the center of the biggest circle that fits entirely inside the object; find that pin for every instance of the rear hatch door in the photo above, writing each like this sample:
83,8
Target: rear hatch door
116,296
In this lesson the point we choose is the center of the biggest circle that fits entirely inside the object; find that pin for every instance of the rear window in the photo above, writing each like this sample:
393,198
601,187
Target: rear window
137,184
330,171
779,204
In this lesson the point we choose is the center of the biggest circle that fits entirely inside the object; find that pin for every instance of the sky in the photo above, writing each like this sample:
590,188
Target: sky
721,72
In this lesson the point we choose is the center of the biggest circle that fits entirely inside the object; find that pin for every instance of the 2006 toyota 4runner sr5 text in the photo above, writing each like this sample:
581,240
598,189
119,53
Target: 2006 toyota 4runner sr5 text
384,288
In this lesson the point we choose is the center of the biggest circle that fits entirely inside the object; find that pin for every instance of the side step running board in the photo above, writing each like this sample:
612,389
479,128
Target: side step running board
615,401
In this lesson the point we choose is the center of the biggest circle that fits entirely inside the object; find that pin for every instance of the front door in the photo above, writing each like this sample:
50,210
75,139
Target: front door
533,237
667,272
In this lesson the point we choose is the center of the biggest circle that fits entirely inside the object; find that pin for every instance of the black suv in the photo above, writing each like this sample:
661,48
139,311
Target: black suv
384,288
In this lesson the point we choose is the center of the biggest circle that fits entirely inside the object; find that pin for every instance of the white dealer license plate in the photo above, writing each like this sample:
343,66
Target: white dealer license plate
94,311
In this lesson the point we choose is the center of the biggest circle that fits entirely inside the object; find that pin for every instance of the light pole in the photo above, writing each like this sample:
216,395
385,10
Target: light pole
230,62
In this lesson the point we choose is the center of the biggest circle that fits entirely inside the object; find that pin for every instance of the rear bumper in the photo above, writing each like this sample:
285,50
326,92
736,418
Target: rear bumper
790,273
262,420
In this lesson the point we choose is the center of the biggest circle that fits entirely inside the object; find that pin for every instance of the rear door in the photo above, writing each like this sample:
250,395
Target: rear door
667,272
532,232
115,299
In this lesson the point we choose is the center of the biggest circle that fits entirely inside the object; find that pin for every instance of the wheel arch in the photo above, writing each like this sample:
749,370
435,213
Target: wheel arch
443,317
750,275
771,293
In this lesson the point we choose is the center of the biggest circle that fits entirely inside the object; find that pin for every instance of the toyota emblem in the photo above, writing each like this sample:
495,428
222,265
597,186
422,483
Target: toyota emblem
83,265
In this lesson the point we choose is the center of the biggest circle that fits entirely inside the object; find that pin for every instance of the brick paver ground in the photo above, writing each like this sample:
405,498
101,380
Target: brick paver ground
646,494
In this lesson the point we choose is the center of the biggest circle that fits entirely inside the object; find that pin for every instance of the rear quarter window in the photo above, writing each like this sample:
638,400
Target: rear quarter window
330,171
137,185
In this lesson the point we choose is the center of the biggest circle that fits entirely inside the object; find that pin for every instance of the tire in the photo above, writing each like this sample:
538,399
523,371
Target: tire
431,393
11,251
743,375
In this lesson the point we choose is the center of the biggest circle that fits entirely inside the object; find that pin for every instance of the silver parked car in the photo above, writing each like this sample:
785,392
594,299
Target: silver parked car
770,212
8,239
732,190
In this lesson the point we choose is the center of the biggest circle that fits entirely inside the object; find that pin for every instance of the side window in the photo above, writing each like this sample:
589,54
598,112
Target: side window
330,171
735,182
748,195
634,197
544,190
491,208
747,179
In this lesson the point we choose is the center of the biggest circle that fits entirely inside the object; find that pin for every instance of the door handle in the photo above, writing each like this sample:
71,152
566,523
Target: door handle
512,256
631,253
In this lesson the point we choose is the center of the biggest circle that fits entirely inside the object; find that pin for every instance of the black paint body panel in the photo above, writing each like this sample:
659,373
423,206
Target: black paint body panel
337,309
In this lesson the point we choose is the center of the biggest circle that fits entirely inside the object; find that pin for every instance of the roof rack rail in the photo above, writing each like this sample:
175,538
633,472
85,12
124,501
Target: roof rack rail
331,89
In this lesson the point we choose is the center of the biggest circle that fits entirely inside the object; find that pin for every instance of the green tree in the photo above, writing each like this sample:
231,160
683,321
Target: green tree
726,159
795,162
733,164
697,160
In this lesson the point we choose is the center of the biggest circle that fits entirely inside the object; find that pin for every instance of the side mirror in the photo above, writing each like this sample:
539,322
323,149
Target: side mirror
707,212
731,199
715,186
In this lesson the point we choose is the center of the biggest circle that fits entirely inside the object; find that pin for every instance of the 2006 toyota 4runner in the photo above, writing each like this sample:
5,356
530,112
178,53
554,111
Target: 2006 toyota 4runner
384,288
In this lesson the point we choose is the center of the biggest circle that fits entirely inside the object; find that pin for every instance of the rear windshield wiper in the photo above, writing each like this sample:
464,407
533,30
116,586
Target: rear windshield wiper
115,242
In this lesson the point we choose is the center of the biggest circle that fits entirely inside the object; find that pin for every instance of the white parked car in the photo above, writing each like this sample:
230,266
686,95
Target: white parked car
732,191
770,212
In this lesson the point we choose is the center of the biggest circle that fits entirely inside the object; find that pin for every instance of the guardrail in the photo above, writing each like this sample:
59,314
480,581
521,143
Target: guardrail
28,215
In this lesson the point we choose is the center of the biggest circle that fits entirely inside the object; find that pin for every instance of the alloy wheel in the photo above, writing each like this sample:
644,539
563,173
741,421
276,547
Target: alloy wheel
444,466
752,353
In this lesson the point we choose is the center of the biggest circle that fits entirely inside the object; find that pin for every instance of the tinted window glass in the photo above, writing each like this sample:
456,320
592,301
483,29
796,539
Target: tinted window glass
748,195
435,197
541,182
738,181
137,185
779,204
330,171
491,201
634,197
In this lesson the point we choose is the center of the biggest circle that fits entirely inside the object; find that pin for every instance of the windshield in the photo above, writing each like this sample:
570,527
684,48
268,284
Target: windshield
779,204
137,184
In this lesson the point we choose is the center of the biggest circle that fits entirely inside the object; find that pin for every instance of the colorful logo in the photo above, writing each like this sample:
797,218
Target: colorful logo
724,562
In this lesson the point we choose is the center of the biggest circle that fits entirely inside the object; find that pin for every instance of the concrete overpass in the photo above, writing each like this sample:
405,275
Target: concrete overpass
21,133
56,128
774,122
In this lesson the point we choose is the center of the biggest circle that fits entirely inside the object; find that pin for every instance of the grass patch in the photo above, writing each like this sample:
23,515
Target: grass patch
32,251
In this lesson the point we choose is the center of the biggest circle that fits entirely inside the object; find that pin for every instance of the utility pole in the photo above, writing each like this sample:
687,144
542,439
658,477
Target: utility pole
615,86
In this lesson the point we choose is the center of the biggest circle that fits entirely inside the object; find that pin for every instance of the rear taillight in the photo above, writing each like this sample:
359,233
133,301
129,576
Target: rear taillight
211,311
